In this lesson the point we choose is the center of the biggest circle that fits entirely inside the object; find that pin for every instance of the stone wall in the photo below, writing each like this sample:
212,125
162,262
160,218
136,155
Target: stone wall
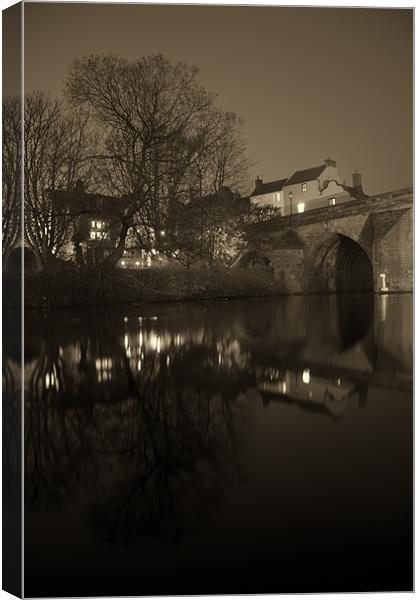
393,252
306,251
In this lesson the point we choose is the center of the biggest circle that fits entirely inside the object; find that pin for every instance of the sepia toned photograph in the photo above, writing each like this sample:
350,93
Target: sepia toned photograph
207,270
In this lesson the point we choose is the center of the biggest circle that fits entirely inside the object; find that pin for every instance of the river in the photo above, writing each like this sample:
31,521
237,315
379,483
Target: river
248,446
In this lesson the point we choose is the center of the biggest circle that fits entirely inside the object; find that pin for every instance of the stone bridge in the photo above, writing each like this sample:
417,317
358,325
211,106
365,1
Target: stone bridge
361,245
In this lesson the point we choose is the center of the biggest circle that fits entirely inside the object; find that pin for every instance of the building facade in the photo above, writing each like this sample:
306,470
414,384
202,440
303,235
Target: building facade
305,190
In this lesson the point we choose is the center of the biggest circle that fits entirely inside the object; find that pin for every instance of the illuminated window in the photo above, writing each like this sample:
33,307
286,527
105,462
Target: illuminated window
99,224
301,207
304,188
93,224
306,376
331,201
93,235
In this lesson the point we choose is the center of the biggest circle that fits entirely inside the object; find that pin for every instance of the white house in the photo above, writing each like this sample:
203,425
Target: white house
304,190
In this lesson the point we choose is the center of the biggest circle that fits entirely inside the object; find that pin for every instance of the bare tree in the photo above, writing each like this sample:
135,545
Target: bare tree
163,136
56,149
11,172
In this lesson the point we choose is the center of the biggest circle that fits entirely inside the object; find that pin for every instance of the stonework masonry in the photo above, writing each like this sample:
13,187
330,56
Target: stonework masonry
348,247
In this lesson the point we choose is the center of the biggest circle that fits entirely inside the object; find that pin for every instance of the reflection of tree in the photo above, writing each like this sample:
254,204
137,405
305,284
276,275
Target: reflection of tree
153,454
11,432
56,440
176,464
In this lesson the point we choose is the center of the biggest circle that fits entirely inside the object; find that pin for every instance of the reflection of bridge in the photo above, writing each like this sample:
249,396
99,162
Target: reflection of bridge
361,340
359,245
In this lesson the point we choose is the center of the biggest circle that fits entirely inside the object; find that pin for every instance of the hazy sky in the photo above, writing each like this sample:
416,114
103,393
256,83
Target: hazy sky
309,82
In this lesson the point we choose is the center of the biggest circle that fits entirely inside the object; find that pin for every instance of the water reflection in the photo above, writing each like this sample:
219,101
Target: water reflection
142,417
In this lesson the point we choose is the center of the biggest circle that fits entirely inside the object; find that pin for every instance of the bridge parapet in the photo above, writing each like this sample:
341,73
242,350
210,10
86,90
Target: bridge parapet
313,251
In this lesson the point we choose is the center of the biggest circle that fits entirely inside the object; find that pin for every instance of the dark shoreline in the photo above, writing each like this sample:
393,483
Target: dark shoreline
52,291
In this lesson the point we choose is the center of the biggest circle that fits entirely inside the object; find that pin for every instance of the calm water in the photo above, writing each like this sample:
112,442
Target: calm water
242,446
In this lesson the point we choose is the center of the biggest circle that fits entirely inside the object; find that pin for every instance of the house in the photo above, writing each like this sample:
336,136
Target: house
94,222
306,189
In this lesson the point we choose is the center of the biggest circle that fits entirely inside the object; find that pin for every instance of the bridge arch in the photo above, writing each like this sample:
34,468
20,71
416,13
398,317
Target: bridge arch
253,258
340,264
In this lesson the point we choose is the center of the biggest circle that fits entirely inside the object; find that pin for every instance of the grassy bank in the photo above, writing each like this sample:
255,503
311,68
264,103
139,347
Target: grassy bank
75,288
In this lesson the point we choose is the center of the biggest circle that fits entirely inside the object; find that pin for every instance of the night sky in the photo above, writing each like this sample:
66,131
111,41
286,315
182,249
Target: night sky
309,82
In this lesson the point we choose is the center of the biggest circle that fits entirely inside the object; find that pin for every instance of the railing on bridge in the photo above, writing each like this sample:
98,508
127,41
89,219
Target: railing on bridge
395,194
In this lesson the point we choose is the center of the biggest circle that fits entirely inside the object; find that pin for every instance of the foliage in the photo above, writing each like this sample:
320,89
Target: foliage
164,138
116,286
11,173
56,143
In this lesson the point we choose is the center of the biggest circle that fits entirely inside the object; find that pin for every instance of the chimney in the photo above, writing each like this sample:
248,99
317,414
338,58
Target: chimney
357,181
258,183
330,162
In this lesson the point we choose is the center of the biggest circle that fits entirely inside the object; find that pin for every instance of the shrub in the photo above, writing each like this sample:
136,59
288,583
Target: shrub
77,288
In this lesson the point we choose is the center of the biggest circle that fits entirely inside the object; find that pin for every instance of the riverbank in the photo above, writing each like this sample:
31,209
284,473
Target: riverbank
93,288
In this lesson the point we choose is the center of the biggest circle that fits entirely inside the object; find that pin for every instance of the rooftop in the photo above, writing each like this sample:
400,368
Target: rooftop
306,175
269,187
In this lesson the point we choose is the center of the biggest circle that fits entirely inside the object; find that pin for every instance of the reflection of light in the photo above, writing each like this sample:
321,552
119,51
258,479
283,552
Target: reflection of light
125,319
158,345
283,387
139,365
306,376
51,381
126,341
123,262
338,381
140,338
104,369
153,341
383,307
137,263
168,360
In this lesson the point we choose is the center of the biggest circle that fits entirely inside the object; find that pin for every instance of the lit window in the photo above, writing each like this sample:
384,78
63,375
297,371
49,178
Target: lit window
304,187
99,224
301,207
123,263
331,201
306,376
94,224
93,235
163,233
